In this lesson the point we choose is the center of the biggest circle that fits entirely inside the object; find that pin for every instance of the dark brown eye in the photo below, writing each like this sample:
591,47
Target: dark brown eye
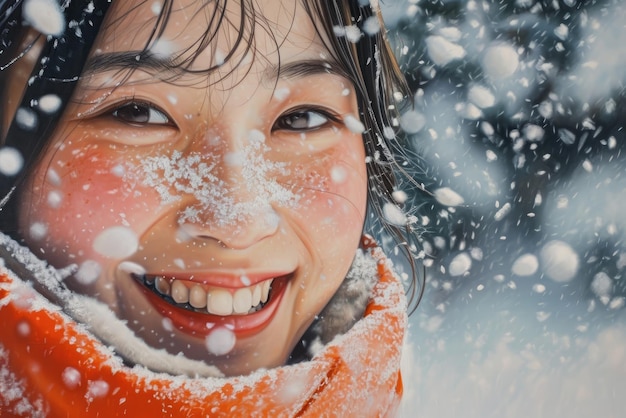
302,120
141,114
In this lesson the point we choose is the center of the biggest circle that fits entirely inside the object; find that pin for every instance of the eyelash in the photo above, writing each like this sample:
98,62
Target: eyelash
136,105
330,118
281,123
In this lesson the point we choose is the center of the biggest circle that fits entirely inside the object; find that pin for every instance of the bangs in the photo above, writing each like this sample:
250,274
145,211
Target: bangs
168,64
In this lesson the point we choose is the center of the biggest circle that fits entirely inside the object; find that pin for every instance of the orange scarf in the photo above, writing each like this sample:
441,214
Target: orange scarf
50,366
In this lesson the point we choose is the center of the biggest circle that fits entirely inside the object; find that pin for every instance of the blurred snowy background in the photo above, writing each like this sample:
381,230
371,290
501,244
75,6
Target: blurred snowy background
518,121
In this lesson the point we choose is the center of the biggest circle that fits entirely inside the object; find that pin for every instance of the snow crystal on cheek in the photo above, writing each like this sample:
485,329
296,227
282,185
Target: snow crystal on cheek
226,202
234,159
354,125
44,15
116,242
255,136
156,8
88,272
11,161
271,218
53,177
70,377
38,230
49,103
448,197
54,199
186,232
338,174
163,48
460,265
500,61
220,341
219,57
525,265
180,263
281,93
118,170
560,261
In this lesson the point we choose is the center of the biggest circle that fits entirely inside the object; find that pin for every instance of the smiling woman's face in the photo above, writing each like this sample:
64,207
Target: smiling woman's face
216,213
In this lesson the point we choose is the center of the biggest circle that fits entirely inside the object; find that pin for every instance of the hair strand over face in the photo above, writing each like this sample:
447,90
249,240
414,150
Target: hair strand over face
369,64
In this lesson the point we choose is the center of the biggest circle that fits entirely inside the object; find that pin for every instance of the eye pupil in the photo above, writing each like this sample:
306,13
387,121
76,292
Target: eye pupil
133,113
298,121
302,121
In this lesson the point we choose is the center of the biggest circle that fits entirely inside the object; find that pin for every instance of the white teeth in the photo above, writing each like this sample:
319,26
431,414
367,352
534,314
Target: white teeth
217,301
162,285
220,302
180,292
242,301
265,290
256,295
197,297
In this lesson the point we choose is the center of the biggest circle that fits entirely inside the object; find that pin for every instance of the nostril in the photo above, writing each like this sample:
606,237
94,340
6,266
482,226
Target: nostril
235,235
209,237
188,232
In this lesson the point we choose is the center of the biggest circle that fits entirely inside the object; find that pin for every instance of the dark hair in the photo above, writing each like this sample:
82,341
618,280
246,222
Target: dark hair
369,63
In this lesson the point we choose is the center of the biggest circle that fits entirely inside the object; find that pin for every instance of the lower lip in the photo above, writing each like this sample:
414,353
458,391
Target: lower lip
200,324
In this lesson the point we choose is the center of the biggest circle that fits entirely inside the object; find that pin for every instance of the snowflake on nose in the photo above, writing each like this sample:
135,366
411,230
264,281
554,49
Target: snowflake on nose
228,201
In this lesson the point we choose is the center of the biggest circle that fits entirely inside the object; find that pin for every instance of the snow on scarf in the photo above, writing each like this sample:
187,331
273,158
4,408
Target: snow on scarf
52,366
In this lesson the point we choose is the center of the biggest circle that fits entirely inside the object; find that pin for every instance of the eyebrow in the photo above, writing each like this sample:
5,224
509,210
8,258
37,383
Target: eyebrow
303,68
132,60
128,60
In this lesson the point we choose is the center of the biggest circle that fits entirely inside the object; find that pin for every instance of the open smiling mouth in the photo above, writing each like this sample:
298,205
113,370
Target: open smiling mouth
209,300
197,308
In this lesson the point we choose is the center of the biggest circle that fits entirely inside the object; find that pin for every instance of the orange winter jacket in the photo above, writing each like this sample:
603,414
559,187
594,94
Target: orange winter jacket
51,366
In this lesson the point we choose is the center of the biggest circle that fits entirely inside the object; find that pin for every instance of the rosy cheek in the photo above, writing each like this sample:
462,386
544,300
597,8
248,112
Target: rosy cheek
334,194
78,200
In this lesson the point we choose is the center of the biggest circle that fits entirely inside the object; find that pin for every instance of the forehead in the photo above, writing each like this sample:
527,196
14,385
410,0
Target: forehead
203,34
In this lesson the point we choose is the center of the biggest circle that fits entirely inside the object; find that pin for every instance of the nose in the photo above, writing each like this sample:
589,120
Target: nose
233,195
240,234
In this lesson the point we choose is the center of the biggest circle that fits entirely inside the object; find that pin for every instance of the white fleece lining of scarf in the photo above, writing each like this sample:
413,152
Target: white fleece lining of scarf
341,313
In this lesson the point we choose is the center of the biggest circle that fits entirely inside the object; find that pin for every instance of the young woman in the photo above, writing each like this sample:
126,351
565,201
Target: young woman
197,177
